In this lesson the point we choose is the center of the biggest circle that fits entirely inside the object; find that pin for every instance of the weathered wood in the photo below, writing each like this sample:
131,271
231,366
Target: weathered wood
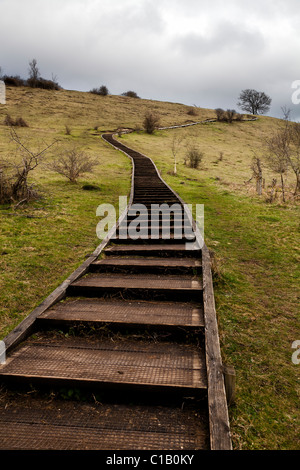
230,383
128,364
159,367
126,313
220,438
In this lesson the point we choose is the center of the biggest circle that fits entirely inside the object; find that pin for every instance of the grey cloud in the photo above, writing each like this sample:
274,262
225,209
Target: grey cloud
226,37
195,52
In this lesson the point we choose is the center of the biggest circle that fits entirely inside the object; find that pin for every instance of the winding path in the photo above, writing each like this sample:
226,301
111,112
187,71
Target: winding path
145,343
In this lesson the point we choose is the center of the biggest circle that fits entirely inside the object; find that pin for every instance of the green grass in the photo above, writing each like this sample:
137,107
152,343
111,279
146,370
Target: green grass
255,245
256,258
43,242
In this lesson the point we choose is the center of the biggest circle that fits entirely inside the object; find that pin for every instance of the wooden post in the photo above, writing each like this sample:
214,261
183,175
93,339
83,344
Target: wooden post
230,381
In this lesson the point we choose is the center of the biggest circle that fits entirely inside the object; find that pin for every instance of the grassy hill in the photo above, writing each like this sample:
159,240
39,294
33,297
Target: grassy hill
254,244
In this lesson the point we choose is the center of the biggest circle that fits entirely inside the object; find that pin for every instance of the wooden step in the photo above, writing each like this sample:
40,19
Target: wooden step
148,286
143,237
166,265
164,250
160,315
177,212
42,424
117,365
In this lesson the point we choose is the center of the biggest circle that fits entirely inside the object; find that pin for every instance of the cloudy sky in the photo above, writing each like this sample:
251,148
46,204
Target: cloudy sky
189,51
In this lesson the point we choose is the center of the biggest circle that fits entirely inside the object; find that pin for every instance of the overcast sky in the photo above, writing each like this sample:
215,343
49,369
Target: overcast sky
188,51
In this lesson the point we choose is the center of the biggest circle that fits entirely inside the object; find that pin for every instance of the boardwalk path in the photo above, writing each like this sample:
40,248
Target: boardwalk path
145,348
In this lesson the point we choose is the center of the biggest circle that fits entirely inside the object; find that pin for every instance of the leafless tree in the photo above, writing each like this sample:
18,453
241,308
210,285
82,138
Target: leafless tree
256,167
34,73
278,155
285,146
294,155
175,147
255,102
73,163
14,185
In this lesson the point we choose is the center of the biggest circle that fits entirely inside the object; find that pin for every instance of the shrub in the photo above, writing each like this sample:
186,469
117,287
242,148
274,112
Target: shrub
130,94
42,83
68,130
91,187
15,80
193,157
225,116
192,112
220,114
230,114
151,122
8,121
19,122
72,164
102,91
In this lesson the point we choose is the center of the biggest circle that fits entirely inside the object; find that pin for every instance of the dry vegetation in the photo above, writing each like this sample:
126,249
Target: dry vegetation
255,244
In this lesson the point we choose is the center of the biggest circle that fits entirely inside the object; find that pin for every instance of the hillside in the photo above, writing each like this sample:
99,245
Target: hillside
254,244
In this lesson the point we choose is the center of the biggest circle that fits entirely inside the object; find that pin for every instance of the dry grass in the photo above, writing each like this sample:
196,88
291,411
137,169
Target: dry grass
256,271
238,143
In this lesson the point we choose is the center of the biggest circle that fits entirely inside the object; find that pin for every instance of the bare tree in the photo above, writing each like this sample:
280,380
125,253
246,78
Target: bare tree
292,129
34,73
294,154
175,147
278,150
14,185
255,102
257,174
73,163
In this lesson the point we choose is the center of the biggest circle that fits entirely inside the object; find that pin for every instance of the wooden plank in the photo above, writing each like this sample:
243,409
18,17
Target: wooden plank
126,364
220,438
41,424
161,314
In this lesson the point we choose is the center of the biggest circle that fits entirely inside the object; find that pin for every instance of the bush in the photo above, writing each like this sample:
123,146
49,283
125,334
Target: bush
68,130
151,122
19,122
8,121
130,94
225,116
193,157
72,164
15,80
102,91
230,114
42,83
220,114
192,112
